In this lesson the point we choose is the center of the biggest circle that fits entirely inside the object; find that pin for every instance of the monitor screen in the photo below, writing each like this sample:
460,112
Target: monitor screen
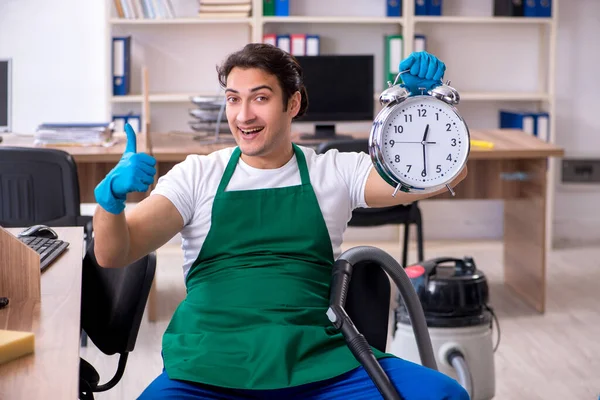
340,89
5,95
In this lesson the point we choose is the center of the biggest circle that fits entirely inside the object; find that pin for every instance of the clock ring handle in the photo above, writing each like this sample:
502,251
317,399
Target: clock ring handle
398,76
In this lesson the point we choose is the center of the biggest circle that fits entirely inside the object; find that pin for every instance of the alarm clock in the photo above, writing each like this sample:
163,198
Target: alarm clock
419,143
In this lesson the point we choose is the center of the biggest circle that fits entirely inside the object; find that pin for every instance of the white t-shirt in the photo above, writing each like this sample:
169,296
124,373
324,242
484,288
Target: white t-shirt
338,180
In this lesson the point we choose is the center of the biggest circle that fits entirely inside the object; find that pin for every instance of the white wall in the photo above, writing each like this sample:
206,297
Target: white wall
577,219
59,60
61,67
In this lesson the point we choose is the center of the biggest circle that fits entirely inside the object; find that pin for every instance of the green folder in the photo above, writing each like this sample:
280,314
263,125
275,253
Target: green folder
393,51
268,8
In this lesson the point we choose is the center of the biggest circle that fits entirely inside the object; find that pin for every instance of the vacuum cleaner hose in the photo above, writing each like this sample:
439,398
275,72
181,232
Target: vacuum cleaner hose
342,272
458,362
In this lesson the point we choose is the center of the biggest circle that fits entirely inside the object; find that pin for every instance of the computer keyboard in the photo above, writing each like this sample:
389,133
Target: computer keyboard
48,249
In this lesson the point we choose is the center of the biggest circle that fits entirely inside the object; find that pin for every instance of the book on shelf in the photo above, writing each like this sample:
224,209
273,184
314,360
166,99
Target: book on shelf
144,9
216,15
224,8
221,2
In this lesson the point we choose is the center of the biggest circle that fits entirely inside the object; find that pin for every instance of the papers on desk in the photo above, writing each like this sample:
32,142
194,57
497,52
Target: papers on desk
94,134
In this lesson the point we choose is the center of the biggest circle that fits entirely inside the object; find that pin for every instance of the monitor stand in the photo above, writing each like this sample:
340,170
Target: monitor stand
324,133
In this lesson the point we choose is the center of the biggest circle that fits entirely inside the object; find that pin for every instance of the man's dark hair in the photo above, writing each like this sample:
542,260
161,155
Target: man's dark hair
274,61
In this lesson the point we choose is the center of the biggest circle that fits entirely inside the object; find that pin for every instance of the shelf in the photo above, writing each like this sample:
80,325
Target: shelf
483,20
503,96
179,21
335,20
161,97
466,96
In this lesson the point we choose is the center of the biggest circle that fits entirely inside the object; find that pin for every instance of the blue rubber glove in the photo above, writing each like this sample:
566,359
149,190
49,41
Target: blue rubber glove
133,173
426,71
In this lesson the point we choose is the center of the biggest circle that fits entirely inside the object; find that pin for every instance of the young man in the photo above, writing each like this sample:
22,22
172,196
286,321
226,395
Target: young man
262,224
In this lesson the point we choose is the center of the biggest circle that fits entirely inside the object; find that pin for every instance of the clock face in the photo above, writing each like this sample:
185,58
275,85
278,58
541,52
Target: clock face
424,142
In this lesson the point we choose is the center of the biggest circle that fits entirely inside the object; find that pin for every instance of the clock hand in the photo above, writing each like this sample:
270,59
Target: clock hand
416,142
424,173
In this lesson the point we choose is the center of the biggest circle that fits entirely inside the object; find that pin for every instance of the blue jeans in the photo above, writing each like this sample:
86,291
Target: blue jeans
413,381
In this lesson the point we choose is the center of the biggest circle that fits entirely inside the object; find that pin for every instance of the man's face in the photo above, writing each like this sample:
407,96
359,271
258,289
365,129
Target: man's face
257,118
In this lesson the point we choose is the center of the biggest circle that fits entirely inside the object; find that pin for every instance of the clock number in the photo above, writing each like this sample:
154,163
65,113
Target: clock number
437,116
408,166
449,158
438,169
397,158
448,127
422,112
392,143
407,117
398,128
453,141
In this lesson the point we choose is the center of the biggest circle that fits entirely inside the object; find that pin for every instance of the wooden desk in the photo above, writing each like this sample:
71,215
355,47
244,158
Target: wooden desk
493,174
53,370
514,170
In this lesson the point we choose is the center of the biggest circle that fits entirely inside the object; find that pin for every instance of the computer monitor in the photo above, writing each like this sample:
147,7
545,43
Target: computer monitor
5,95
340,89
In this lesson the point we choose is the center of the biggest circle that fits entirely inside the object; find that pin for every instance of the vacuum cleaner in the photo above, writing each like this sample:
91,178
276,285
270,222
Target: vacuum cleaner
454,295
341,275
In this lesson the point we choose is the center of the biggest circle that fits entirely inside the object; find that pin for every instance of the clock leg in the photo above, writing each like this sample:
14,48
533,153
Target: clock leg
525,236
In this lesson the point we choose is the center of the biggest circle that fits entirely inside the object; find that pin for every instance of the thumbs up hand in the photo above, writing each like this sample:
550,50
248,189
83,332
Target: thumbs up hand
133,173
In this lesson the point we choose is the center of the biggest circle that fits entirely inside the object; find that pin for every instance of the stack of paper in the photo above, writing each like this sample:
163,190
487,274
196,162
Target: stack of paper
94,134
225,8
209,114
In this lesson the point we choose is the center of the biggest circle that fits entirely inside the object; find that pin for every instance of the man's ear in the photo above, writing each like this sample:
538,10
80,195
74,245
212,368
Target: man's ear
294,104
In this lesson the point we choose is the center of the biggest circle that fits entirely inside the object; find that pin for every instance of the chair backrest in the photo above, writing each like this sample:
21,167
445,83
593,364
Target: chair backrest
379,216
113,301
37,186
368,302
345,145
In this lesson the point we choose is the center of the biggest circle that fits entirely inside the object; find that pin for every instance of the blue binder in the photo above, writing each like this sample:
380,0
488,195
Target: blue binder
394,8
121,65
522,120
434,7
544,8
421,7
313,45
282,8
530,8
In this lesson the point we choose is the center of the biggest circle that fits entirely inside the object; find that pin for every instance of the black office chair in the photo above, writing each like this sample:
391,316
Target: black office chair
40,186
368,303
113,301
406,215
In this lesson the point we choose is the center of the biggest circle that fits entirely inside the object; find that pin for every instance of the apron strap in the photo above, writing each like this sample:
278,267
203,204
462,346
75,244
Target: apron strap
233,160
304,177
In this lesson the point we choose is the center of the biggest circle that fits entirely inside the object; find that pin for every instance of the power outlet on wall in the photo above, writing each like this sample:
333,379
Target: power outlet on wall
581,171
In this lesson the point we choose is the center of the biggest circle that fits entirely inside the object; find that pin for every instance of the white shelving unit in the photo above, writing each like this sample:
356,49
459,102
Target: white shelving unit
408,24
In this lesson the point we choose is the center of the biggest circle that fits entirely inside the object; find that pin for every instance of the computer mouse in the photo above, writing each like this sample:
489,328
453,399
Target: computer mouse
42,231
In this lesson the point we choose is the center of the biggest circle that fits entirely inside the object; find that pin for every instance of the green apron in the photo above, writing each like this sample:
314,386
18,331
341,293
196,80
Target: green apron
254,315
